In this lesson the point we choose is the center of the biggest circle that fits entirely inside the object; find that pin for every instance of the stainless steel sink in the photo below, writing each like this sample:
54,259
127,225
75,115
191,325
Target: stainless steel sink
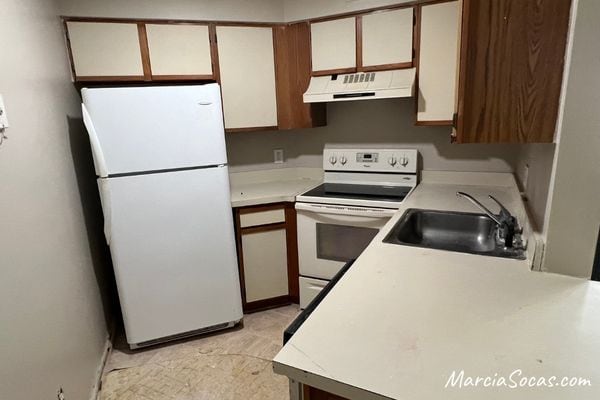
452,231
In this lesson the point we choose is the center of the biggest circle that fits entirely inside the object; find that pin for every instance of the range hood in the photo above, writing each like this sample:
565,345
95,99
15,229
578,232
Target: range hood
361,86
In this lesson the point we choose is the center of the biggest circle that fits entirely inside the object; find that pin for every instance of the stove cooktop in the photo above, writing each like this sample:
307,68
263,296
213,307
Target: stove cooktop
359,192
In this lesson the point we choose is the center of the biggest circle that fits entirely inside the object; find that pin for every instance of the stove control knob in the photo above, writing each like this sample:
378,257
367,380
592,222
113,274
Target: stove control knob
343,160
332,160
404,161
392,161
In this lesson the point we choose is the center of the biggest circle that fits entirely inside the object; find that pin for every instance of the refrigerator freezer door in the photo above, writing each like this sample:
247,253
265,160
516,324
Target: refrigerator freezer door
156,128
173,251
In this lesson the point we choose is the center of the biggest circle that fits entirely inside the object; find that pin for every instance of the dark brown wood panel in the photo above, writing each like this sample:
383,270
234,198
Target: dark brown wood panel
292,253
311,393
512,59
292,70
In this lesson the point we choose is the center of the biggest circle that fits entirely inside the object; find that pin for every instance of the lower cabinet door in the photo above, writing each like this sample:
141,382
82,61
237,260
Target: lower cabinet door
265,264
309,289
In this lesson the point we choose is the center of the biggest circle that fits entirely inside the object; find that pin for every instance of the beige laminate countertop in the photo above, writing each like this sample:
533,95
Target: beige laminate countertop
402,319
271,186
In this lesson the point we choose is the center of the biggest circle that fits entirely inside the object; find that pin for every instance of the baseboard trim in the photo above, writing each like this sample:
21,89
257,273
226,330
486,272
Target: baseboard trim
95,394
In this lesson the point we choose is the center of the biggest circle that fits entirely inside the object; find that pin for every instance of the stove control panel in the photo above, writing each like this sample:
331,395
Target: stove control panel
372,160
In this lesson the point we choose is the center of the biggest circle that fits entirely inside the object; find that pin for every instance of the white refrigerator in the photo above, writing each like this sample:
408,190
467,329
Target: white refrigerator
159,153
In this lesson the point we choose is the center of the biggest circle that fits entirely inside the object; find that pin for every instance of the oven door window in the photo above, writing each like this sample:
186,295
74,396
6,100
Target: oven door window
342,242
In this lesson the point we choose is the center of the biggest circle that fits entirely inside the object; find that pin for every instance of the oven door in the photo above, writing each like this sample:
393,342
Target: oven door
331,235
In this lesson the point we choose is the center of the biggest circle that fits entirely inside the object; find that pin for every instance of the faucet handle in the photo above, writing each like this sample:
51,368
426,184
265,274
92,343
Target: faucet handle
503,211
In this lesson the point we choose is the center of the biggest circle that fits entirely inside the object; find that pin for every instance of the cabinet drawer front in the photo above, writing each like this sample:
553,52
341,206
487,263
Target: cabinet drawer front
265,264
105,49
333,44
309,289
438,61
247,67
262,218
387,37
179,49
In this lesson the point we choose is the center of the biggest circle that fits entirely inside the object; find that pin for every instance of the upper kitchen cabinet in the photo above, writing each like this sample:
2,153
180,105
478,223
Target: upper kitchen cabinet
511,68
179,51
437,63
333,46
386,40
247,71
292,63
103,51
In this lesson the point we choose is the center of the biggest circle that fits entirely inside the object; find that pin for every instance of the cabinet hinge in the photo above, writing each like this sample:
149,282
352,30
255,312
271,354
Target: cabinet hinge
454,120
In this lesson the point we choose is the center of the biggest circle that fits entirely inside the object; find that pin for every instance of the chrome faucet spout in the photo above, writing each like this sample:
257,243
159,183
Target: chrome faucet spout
483,208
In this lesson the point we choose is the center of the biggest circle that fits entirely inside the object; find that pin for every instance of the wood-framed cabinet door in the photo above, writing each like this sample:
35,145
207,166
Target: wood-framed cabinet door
179,51
333,46
267,255
247,70
437,63
511,69
386,40
105,51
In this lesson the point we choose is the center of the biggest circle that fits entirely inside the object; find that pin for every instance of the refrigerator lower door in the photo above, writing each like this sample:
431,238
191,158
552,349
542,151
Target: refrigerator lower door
173,249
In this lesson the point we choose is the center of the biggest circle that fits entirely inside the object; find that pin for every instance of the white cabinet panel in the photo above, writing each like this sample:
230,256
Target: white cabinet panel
247,67
333,44
265,264
105,49
387,37
438,61
179,49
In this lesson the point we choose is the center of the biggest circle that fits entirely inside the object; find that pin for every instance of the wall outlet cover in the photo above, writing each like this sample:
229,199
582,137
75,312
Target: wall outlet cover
278,156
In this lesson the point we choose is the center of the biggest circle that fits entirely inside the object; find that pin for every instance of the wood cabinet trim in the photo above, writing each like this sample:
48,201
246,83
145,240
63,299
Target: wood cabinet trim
251,129
325,72
386,67
434,123
359,44
289,226
145,51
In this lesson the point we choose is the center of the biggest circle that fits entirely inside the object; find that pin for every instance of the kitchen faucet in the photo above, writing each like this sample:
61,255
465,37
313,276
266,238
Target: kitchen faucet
507,225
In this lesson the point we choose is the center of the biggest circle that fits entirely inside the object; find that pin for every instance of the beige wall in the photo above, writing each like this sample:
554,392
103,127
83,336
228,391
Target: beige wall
295,10
533,171
368,121
232,10
53,330
574,216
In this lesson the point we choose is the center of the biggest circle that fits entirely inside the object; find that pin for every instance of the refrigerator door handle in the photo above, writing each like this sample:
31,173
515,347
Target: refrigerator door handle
106,208
99,160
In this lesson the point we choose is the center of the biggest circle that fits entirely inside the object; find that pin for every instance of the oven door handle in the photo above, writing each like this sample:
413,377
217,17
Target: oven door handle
344,210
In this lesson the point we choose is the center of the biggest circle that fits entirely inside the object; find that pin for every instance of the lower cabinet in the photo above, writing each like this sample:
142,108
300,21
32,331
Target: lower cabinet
267,255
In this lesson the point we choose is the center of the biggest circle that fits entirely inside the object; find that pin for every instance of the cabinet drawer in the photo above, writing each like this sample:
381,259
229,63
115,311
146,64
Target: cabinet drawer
262,218
309,289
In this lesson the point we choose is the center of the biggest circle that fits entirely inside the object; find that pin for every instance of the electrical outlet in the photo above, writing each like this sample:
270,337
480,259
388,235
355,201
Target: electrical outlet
278,156
60,395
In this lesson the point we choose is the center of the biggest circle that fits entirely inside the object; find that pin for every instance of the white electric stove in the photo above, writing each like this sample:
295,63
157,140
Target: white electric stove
362,189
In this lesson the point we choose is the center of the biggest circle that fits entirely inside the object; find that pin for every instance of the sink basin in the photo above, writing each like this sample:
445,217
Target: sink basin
449,230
